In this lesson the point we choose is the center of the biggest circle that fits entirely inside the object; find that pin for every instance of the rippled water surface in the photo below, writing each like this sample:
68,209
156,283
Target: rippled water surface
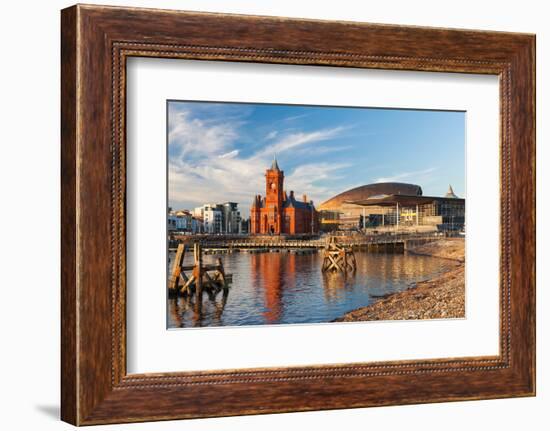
275,288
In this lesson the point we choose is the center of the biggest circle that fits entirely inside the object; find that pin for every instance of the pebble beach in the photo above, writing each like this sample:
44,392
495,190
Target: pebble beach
441,297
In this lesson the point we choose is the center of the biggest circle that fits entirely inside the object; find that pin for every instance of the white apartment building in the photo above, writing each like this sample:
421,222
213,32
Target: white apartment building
212,218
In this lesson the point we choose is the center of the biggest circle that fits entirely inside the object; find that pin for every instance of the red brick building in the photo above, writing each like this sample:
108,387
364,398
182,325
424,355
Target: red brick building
279,213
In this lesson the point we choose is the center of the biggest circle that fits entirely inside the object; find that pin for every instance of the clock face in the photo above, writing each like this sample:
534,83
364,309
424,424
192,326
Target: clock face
273,186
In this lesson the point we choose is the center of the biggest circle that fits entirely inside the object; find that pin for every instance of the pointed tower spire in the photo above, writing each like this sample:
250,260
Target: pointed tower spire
450,193
274,165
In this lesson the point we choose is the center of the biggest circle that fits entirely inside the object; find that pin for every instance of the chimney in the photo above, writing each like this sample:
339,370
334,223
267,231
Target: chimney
292,194
304,198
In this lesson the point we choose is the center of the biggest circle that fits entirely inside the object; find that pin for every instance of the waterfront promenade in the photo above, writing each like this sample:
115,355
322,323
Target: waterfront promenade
398,241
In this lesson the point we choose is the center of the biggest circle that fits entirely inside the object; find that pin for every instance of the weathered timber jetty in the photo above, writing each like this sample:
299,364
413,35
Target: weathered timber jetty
219,250
375,243
189,280
386,243
386,247
338,257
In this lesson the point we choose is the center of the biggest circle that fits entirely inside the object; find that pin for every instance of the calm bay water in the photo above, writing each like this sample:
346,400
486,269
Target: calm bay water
282,288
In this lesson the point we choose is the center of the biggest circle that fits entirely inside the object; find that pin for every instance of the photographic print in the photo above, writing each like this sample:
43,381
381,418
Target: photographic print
296,202
296,214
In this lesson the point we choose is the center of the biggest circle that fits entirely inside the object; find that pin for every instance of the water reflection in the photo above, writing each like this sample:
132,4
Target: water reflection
191,307
274,288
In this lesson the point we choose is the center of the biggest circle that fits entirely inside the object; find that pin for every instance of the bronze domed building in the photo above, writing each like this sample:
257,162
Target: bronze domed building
391,204
366,191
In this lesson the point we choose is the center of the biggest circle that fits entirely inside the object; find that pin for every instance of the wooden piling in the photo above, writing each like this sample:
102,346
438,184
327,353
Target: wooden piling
197,270
209,278
176,269
337,257
221,275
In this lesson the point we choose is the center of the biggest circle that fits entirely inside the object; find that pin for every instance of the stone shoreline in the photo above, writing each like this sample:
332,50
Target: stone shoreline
441,297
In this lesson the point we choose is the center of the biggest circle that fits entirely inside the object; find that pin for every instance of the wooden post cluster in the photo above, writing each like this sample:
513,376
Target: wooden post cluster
203,277
337,257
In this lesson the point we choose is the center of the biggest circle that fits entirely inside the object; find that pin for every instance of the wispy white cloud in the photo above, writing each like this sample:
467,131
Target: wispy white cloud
222,174
295,117
298,139
206,165
230,154
322,149
193,136
405,175
271,135
218,180
314,178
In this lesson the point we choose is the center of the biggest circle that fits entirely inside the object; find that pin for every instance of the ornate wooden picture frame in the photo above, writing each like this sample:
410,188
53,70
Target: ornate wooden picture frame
96,42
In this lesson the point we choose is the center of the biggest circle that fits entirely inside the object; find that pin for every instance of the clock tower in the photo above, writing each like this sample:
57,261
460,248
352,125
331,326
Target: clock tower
274,178
277,213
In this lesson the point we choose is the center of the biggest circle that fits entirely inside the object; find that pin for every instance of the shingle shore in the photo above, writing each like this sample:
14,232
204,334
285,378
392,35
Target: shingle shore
439,298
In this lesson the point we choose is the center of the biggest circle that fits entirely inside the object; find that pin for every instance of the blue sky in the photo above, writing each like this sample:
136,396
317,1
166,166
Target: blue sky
219,152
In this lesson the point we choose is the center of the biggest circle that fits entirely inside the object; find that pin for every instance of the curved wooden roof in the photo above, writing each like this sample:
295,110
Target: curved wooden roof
364,192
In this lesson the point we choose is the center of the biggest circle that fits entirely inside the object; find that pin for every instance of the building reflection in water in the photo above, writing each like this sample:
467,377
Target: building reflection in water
335,282
283,287
268,270
190,310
